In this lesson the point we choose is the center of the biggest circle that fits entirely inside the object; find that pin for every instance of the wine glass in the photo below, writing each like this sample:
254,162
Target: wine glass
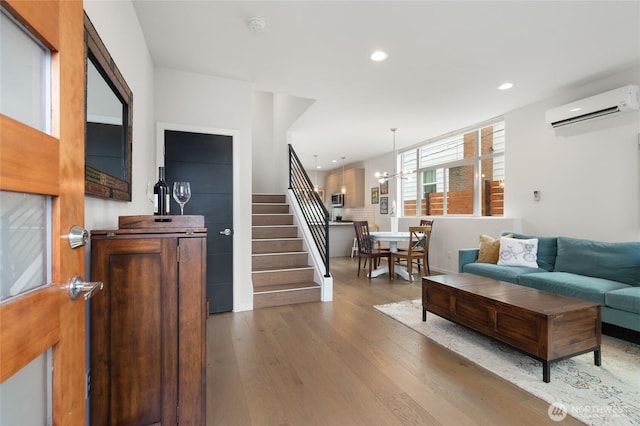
182,194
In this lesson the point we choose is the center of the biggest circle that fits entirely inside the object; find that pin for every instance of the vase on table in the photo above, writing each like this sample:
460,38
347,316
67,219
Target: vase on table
393,217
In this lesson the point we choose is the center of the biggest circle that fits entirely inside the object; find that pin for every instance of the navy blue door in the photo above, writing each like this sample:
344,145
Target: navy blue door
206,161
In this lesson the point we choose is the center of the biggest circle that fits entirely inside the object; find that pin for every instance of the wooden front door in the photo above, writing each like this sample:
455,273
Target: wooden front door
48,162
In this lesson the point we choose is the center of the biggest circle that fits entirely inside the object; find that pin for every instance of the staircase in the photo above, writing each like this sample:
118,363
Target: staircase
280,270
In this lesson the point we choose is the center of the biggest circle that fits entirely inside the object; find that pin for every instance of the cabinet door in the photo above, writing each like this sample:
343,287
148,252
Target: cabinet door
354,182
134,331
192,316
331,185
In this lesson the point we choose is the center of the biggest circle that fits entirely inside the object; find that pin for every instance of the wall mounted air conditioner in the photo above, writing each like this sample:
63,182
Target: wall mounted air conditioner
624,99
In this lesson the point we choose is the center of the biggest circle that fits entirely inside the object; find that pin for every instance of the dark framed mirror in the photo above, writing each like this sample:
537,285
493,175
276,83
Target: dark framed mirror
109,118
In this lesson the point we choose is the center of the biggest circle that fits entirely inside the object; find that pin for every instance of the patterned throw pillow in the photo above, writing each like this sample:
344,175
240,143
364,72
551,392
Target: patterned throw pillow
517,252
489,249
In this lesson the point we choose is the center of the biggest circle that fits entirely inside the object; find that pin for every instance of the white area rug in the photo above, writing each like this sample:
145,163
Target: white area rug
606,395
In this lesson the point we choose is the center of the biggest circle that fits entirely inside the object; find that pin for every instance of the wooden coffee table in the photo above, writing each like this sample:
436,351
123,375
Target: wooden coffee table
546,326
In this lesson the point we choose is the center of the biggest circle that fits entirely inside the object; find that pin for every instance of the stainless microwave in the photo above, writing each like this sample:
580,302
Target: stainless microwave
337,199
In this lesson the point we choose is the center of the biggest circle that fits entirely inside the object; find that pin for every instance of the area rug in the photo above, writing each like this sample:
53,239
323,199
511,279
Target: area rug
605,395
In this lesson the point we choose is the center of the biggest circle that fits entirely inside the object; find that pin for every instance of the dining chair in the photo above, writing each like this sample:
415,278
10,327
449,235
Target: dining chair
365,247
429,223
378,245
419,237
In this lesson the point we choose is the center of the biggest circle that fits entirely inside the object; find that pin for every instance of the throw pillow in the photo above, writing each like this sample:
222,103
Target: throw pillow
489,249
517,252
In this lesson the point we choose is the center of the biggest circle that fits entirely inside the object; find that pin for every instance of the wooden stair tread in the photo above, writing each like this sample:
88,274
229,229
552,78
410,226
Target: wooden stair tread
279,253
274,226
269,203
276,238
286,287
284,269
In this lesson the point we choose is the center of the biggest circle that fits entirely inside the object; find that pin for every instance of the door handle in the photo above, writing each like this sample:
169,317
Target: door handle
226,232
77,286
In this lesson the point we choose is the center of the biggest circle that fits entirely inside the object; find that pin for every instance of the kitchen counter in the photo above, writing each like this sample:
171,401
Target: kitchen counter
341,235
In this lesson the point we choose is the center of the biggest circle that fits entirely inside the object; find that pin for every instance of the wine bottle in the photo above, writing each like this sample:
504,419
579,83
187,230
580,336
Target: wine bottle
161,195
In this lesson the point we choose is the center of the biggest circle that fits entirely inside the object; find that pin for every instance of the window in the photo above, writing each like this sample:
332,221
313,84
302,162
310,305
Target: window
460,174
24,76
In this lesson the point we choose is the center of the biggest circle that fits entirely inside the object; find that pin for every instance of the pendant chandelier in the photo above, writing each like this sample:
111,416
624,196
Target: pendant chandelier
386,176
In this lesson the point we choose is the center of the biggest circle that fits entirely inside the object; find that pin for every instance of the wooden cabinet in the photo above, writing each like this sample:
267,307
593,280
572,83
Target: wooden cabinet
332,184
148,323
353,182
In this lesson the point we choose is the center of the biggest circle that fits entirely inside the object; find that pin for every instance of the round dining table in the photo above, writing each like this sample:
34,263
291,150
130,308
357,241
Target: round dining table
393,238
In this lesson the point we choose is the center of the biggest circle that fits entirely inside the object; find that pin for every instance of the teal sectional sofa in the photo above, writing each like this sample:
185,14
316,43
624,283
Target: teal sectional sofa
606,273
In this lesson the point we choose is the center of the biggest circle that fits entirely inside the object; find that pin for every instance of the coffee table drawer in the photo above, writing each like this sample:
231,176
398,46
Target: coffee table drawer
508,324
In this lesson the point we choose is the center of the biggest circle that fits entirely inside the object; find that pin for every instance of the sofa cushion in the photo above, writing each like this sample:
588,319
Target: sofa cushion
547,249
501,273
574,285
611,261
489,249
625,299
518,252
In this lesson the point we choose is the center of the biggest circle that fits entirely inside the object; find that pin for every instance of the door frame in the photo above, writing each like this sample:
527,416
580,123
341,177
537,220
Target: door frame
238,247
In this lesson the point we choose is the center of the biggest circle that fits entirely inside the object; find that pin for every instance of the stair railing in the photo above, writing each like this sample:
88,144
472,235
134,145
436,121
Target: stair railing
315,213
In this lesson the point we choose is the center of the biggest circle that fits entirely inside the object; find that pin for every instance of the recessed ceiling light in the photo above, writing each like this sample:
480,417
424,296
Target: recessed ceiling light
378,56
505,86
575,109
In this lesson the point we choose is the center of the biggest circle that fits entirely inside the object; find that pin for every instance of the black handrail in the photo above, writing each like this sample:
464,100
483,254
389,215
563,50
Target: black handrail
315,213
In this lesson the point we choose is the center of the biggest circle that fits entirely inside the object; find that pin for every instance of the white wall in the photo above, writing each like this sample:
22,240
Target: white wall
588,176
263,152
189,99
273,115
587,173
117,25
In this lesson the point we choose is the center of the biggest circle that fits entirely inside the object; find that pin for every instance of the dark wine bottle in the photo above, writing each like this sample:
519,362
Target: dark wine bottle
161,195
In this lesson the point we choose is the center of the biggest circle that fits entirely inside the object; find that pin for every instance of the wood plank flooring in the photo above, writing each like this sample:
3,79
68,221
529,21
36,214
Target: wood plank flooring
344,363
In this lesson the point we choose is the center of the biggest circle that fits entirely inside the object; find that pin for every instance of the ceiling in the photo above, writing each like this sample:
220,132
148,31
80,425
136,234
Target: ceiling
445,61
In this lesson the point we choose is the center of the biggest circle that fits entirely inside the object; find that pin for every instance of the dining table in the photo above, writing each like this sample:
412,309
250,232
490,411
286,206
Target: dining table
393,238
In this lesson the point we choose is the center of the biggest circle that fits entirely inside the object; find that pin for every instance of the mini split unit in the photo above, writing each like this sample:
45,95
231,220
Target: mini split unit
624,99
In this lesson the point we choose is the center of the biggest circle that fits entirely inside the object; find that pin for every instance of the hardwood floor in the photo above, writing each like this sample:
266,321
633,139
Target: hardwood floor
344,363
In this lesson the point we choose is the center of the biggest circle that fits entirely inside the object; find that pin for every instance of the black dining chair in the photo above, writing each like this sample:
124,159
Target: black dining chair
366,248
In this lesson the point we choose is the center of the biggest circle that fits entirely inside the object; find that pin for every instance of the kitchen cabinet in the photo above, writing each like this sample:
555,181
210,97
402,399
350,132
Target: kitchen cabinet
353,182
148,324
